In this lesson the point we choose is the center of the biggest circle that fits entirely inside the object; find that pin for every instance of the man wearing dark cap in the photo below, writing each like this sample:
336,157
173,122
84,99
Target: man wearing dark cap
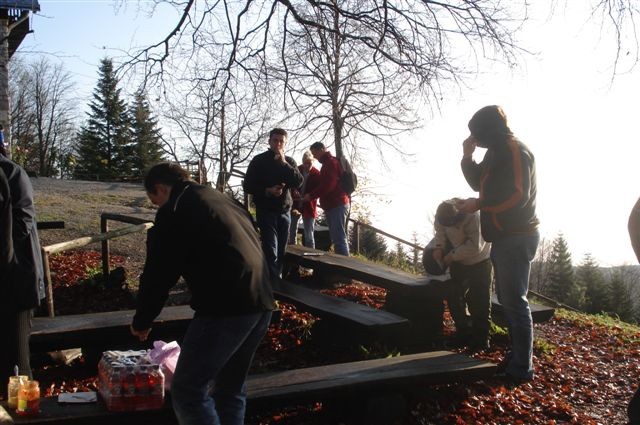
506,182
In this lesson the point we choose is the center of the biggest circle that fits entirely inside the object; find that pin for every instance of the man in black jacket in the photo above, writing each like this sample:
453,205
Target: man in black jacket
22,286
506,181
203,236
269,178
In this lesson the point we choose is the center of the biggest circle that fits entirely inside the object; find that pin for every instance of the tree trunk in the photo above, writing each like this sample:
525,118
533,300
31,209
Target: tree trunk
5,118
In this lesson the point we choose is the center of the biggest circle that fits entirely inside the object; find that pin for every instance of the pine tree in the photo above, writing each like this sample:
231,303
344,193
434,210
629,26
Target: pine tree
145,136
102,144
372,245
592,280
562,285
620,296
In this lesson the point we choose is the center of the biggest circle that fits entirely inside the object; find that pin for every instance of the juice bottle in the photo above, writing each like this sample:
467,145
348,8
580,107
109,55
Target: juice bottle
13,388
29,398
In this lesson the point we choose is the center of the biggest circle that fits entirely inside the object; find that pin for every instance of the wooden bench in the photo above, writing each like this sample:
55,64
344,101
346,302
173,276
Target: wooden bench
382,276
369,378
106,329
110,330
355,320
354,268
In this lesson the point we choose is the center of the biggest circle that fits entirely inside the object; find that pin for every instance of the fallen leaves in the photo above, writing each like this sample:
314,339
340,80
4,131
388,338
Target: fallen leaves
586,370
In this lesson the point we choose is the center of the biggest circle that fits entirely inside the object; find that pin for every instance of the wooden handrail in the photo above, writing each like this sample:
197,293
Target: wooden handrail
389,235
77,243
80,242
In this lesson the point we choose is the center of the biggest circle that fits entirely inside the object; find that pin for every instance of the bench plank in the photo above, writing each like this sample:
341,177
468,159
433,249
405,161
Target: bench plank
383,276
355,268
540,313
78,330
334,307
378,376
357,378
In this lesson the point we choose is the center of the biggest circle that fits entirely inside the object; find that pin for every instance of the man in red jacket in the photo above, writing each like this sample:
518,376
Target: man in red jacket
333,200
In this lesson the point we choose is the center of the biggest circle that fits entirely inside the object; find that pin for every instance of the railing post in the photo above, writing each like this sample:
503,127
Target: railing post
47,281
104,228
356,231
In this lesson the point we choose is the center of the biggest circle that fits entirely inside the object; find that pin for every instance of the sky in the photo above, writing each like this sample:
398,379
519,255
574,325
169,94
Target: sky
561,101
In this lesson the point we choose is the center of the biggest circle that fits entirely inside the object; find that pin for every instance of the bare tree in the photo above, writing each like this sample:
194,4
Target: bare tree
220,124
621,16
44,114
540,266
351,67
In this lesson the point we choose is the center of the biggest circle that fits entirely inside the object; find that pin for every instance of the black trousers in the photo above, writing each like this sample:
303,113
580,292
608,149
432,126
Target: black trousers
633,410
471,287
16,351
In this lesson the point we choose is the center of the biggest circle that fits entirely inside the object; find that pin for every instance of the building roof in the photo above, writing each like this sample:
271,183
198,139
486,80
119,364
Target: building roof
30,5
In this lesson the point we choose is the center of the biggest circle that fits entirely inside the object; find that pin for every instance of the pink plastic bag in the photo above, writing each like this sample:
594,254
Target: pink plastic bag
166,355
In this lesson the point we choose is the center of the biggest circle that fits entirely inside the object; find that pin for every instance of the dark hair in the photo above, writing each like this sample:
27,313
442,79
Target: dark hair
168,173
448,215
317,145
489,124
279,131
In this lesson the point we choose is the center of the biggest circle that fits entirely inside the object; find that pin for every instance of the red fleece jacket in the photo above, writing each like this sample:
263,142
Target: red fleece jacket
328,189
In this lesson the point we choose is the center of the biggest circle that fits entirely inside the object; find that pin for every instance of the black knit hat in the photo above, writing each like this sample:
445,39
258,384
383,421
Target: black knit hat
489,125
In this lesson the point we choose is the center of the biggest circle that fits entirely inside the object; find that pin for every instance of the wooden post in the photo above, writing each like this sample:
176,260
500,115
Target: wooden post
104,228
356,231
47,281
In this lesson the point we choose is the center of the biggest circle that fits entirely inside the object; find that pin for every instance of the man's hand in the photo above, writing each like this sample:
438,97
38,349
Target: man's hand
275,191
280,156
469,146
469,205
437,254
142,335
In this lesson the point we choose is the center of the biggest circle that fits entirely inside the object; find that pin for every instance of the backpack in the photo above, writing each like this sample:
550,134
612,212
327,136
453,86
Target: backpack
348,180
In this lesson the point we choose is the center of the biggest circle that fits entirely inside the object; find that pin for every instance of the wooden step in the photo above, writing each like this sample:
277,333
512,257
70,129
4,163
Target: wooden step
401,374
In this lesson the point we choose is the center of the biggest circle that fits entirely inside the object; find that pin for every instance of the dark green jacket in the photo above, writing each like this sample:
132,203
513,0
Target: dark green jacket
506,180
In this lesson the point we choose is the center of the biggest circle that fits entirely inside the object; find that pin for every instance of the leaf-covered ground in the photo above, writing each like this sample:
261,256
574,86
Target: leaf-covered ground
586,366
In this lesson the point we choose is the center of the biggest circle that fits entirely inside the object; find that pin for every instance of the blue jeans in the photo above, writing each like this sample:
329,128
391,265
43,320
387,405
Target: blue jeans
209,382
511,258
293,229
274,233
336,219
308,226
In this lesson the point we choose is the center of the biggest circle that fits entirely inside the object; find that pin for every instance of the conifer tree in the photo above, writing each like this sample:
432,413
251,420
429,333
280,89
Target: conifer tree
562,283
372,245
620,296
102,142
590,277
146,144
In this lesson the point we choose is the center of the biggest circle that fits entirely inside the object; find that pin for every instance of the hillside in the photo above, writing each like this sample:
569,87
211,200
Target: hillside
586,366
80,203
